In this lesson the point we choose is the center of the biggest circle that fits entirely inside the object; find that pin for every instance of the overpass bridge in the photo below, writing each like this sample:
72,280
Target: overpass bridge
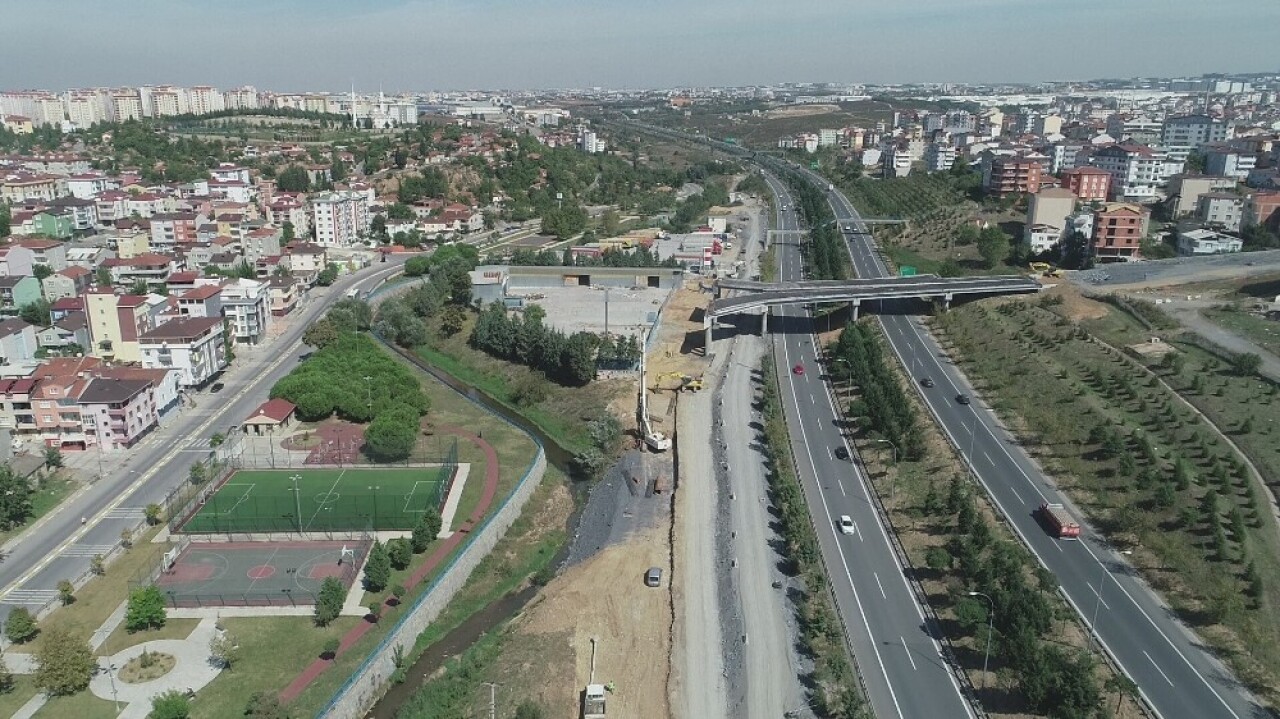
749,295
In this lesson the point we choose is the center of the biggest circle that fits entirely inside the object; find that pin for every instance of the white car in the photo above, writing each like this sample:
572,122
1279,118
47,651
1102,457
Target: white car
846,524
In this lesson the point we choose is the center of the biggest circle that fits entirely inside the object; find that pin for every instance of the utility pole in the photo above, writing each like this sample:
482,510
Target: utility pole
493,704
297,500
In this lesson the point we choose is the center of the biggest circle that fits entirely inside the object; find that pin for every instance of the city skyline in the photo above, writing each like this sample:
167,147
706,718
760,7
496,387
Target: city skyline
406,45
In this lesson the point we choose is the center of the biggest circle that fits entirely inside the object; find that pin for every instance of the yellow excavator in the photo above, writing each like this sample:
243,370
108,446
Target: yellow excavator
687,383
1044,269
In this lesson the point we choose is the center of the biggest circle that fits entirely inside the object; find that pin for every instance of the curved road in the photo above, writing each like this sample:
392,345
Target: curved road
59,547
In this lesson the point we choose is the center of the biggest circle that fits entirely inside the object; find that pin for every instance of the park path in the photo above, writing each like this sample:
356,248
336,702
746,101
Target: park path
353,635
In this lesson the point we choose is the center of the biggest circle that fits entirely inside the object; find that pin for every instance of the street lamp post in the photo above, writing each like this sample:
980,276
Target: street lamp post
368,391
991,615
111,673
892,445
373,489
1097,602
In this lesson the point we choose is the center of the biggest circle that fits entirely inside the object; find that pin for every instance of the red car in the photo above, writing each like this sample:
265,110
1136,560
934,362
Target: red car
798,369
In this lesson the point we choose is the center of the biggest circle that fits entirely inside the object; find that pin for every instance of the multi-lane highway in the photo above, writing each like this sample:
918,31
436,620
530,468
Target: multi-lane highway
900,662
61,546
1177,677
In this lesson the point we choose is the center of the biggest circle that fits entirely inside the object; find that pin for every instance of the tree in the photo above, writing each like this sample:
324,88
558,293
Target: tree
264,705
377,569
52,457
378,227
64,663
36,313
400,552
391,436
41,272
224,648
320,334
1253,581
172,704
197,474
152,513
145,609
328,275
20,627
451,320
329,601
397,211
970,614
5,220
287,232
610,223
424,533
294,178
993,245
66,592
139,287
1123,686
102,276
1246,364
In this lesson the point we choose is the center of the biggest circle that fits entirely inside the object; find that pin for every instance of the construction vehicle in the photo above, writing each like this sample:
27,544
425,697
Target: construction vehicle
1044,269
1060,522
593,702
687,383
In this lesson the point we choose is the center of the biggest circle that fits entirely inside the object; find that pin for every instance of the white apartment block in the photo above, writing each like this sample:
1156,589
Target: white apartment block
1228,162
246,305
191,345
939,156
126,105
1136,171
1224,210
828,138
202,100
241,98
340,219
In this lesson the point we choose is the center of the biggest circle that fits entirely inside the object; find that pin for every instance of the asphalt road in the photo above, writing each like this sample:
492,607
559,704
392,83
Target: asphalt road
1176,675
900,661
60,547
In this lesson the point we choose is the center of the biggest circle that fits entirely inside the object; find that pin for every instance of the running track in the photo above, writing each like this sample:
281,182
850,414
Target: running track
318,667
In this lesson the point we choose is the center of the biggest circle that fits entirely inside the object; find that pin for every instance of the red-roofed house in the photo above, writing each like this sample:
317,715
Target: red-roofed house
70,282
272,418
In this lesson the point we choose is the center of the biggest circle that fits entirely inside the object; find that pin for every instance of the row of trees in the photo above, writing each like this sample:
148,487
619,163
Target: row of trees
859,357
567,359
610,257
350,376
825,252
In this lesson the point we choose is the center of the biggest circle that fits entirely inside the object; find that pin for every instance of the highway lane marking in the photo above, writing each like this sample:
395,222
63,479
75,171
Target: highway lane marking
143,478
1098,594
908,651
1019,496
984,454
1166,677
878,584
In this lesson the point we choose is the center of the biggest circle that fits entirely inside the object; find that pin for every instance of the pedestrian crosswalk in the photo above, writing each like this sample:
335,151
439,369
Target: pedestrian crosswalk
86,550
125,513
28,596
199,443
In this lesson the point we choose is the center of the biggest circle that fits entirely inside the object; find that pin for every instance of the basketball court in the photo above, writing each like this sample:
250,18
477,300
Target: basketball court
257,573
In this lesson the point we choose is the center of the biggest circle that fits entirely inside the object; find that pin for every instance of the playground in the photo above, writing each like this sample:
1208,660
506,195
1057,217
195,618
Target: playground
320,500
257,573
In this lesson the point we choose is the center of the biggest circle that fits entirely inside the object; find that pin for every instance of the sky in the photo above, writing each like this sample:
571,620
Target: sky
419,45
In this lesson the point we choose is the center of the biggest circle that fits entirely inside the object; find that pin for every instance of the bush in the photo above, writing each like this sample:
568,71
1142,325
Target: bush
425,532
173,704
264,705
331,647
400,553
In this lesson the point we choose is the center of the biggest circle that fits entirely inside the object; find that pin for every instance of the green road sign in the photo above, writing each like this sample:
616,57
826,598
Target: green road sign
906,271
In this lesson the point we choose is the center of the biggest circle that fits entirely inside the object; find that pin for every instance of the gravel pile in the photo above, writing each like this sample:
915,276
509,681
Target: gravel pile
621,504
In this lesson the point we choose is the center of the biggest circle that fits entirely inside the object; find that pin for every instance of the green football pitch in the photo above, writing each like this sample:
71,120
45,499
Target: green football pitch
350,499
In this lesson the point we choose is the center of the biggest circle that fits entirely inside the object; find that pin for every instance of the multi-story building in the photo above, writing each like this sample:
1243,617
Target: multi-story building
1088,183
21,187
1136,171
1050,207
1227,161
1194,241
284,295
340,219
202,100
192,345
1223,210
241,98
1262,208
246,304
169,229
17,292
17,341
1185,190
1008,175
1182,135
116,322
126,104
259,243
16,413
116,413
1118,229
939,156
50,253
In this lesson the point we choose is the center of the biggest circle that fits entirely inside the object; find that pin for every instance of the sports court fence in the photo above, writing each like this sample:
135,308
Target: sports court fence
253,452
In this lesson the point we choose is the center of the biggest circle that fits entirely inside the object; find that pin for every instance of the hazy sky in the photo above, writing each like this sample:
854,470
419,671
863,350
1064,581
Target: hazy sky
450,44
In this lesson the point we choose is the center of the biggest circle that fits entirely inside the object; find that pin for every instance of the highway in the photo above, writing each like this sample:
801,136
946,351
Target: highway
60,547
900,661
1177,677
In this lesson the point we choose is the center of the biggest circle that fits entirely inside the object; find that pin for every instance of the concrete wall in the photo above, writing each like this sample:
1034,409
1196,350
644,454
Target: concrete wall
373,677
526,277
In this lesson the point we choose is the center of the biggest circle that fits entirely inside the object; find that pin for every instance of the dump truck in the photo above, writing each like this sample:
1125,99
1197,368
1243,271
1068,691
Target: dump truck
1060,521
593,702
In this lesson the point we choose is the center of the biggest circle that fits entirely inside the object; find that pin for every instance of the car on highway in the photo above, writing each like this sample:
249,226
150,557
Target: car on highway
841,452
798,369
926,382
962,398
846,524
653,577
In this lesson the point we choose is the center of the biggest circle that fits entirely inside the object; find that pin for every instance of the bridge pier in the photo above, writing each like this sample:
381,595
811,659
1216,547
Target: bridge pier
853,309
706,342
946,301
764,322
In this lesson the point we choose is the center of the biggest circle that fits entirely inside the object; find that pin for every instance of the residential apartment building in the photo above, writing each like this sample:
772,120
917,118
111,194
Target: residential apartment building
169,229
1048,209
1262,208
246,304
1088,183
340,219
1195,241
1185,191
1226,161
192,345
16,413
1136,171
17,341
939,156
116,322
1118,229
50,253
284,295
1182,135
1009,175
116,413
17,292
1223,210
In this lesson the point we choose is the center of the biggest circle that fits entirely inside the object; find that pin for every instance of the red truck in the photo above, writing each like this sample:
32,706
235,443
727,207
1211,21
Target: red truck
1063,526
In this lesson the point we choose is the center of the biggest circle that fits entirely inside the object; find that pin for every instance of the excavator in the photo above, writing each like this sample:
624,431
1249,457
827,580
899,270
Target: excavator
687,383
1044,269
